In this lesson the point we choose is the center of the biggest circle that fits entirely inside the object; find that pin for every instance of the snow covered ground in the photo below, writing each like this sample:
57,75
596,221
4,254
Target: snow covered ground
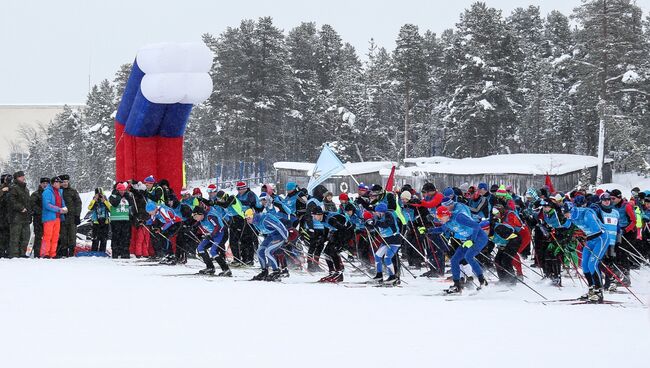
86,312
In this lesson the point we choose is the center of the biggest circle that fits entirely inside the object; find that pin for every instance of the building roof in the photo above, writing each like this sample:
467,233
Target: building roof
351,168
527,164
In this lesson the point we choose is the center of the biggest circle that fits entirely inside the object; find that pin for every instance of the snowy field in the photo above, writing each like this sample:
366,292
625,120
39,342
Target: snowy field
87,312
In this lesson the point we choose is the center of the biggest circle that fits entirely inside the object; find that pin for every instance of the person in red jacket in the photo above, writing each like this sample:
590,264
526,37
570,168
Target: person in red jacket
510,217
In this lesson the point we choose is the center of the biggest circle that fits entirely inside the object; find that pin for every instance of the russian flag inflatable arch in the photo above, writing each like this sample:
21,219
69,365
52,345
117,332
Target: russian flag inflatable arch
165,81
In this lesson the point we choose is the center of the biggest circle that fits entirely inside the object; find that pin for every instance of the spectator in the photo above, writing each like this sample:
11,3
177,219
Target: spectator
54,211
68,238
121,205
5,183
99,208
20,216
37,212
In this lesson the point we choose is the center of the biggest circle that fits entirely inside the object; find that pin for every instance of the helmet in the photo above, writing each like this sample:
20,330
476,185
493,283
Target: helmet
443,211
381,207
150,206
249,213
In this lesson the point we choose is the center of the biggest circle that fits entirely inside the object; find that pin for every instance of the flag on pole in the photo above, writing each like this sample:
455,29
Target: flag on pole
390,183
549,184
327,165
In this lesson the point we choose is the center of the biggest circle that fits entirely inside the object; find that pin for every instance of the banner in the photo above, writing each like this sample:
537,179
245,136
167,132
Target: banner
326,166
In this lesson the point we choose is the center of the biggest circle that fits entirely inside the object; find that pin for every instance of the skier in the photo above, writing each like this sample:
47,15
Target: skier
275,235
473,240
627,224
244,242
163,222
507,241
211,231
594,249
387,225
609,217
341,231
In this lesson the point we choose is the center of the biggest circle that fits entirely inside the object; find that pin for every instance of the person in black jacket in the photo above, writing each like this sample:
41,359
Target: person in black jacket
5,184
20,207
37,211
341,231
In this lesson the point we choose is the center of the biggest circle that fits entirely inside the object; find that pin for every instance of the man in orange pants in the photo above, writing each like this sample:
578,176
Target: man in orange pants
54,210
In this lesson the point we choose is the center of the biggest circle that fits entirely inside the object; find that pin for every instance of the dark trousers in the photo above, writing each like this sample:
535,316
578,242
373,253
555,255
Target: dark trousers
243,240
120,238
38,238
436,246
100,237
67,239
18,238
316,245
503,260
4,241
414,240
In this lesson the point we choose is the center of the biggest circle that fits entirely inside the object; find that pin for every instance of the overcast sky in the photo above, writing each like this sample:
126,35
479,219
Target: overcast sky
52,49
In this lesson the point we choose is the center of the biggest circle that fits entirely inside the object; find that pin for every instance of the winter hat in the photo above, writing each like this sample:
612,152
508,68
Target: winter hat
464,187
406,188
149,180
241,185
263,196
150,206
212,188
616,193
502,192
344,197
429,187
198,210
164,183
362,186
605,196
579,200
367,215
443,211
328,194
599,192
44,180
64,177
121,186
291,186
449,202
557,197
406,195
483,186
381,207
376,189
56,179
18,174
448,192
197,192
317,211
349,207
509,188
249,213
635,190
494,188
185,191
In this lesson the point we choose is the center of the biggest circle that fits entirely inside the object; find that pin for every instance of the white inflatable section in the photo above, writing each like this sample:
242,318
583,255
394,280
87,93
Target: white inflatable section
176,72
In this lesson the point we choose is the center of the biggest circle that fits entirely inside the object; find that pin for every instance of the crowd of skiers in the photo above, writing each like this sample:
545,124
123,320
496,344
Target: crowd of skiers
476,229
54,209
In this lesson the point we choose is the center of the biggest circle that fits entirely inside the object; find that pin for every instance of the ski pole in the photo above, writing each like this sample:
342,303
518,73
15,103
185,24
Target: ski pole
461,269
613,274
521,281
575,267
396,253
417,251
636,250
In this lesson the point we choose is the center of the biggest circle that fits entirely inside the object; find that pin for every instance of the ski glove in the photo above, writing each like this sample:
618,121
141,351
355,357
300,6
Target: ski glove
422,230
468,244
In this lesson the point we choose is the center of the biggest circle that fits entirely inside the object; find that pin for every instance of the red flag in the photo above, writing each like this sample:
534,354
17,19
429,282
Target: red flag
549,184
391,180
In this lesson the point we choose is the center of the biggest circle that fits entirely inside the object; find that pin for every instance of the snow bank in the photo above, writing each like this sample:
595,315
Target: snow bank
529,164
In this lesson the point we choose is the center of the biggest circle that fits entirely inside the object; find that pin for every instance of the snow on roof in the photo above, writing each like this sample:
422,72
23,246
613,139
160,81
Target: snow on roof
351,168
529,164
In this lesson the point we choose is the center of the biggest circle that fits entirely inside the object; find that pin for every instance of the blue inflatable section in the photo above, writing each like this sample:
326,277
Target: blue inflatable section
130,91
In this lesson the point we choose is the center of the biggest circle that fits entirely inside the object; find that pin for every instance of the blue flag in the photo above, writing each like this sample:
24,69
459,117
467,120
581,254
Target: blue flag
326,166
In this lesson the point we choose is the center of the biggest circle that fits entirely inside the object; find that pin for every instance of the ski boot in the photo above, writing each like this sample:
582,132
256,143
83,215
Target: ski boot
456,288
273,276
338,277
226,273
261,276
379,277
328,277
588,295
596,297
392,280
612,287
430,273
207,271
482,282
284,273
169,260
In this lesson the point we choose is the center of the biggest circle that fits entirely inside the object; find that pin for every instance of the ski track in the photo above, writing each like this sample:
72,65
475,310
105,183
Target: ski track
92,312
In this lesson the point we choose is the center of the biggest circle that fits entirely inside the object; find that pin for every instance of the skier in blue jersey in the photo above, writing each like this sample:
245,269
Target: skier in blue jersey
275,236
594,249
387,225
473,239
609,216
211,229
